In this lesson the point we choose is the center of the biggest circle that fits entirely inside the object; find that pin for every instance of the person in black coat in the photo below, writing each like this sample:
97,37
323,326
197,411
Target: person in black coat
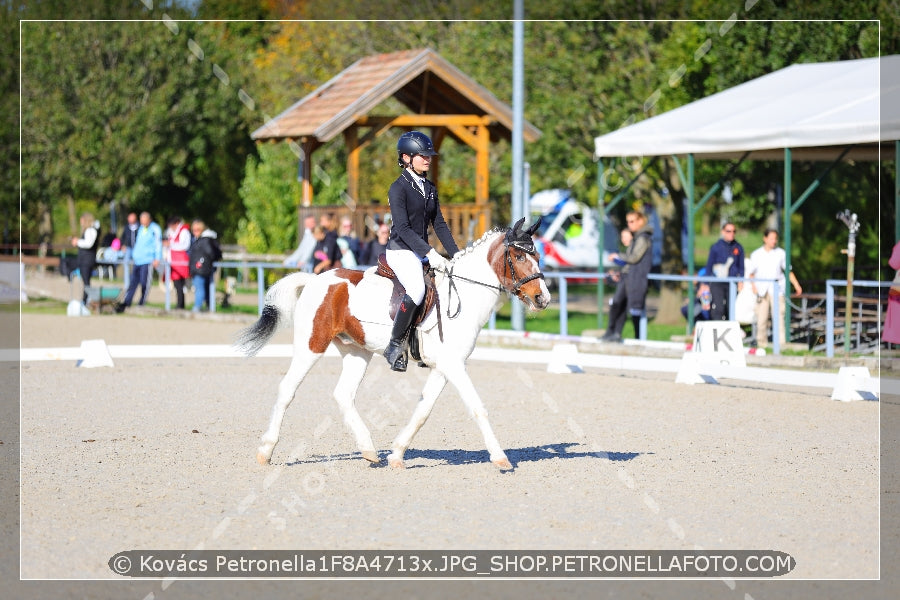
631,290
204,252
377,246
414,208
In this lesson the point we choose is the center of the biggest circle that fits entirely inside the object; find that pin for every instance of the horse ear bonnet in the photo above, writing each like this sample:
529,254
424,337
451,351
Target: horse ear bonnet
522,240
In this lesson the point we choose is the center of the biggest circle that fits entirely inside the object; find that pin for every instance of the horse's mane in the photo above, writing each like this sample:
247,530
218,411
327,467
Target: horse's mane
470,249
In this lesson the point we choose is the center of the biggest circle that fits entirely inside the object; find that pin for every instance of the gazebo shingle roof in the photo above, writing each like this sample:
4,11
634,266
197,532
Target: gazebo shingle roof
420,79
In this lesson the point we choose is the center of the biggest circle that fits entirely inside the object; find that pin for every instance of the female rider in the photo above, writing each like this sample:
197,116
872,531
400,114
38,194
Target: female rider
414,206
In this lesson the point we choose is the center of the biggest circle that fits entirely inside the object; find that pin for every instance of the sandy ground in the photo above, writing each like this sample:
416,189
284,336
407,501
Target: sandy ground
159,454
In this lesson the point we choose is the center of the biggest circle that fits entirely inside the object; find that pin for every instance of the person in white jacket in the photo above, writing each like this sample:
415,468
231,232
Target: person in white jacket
769,262
87,250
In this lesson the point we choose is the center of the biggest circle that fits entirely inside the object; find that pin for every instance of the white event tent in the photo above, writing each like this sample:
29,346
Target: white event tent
828,111
808,107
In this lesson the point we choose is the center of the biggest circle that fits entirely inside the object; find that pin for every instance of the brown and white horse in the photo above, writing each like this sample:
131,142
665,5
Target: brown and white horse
351,308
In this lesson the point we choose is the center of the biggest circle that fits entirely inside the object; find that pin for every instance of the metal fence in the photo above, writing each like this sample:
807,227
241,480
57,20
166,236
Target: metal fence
562,280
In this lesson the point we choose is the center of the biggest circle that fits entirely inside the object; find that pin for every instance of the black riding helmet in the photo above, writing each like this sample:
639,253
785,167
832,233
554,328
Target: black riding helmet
412,143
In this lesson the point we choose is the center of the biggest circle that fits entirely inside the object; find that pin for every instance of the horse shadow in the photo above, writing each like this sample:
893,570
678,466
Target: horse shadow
456,457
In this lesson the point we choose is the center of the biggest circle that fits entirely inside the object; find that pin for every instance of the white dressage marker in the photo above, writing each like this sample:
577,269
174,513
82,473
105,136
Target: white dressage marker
94,353
854,383
564,359
717,345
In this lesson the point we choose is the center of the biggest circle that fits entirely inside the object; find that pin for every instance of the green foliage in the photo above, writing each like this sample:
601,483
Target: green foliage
131,112
270,200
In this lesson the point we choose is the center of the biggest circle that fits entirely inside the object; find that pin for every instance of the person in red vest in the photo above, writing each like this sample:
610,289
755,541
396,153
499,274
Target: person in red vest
178,241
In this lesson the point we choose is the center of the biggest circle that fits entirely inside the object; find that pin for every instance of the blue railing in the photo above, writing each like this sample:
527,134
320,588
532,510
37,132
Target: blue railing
562,283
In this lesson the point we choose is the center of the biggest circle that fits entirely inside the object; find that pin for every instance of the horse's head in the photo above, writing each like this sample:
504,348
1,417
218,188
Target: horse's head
514,260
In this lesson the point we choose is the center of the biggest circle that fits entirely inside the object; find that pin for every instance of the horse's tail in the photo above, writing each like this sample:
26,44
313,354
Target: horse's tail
277,313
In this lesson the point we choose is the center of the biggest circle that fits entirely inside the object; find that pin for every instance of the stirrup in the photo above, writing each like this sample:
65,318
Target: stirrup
396,355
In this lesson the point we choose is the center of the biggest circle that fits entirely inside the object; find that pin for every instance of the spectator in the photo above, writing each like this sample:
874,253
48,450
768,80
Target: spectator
769,262
348,260
631,289
302,256
129,235
321,260
891,331
726,259
178,241
147,253
613,276
702,301
331,236
87,246
377,246
205,251
347,234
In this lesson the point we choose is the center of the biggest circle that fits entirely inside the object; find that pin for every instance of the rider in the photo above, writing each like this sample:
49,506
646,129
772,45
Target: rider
414,206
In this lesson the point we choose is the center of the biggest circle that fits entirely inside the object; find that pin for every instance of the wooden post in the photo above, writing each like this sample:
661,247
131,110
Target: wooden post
307,146
482,173
351,139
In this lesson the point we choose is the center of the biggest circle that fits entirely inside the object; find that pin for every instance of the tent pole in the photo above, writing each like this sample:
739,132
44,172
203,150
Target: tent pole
687,182
601,242
689,189
627,187
818,180
791,207
788,211
725,177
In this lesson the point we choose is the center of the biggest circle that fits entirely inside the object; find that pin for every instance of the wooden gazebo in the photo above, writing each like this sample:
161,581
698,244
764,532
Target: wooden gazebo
442,99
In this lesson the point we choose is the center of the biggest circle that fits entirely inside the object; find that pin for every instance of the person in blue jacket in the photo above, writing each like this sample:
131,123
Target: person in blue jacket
726,259
147,253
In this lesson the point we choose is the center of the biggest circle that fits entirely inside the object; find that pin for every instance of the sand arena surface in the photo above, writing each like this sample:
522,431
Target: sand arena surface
159,453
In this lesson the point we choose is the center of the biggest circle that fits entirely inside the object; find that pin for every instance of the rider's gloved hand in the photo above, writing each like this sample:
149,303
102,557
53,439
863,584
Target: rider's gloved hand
436,260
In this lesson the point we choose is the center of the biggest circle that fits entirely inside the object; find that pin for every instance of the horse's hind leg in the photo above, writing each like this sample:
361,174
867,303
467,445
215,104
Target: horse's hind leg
300,366
433,387
355,362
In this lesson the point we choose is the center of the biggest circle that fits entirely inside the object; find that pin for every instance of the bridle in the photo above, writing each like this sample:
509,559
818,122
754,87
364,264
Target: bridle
508,242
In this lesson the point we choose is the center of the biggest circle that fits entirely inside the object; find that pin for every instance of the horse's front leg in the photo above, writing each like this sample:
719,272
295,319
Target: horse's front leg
433,387
456,372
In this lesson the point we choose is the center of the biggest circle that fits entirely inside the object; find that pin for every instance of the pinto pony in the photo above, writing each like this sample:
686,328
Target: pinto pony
351,308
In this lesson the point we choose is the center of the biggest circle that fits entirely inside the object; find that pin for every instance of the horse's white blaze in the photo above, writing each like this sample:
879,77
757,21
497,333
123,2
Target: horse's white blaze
367,301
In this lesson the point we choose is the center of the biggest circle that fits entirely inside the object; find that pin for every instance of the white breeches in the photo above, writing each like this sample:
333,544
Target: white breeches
408,269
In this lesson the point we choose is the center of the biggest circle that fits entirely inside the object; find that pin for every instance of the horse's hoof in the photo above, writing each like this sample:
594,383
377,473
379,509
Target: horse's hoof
371,456
262,458
503,464
396,463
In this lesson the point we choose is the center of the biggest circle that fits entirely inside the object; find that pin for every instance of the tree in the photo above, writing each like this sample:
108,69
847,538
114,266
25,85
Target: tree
145,114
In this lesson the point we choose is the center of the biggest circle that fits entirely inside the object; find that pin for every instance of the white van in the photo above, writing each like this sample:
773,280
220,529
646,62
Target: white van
569,233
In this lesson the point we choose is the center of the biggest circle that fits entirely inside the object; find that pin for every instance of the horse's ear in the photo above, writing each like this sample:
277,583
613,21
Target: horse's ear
517,228
534,227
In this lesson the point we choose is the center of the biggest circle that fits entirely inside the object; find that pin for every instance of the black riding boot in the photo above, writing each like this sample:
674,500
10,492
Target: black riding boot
395,353
636,321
